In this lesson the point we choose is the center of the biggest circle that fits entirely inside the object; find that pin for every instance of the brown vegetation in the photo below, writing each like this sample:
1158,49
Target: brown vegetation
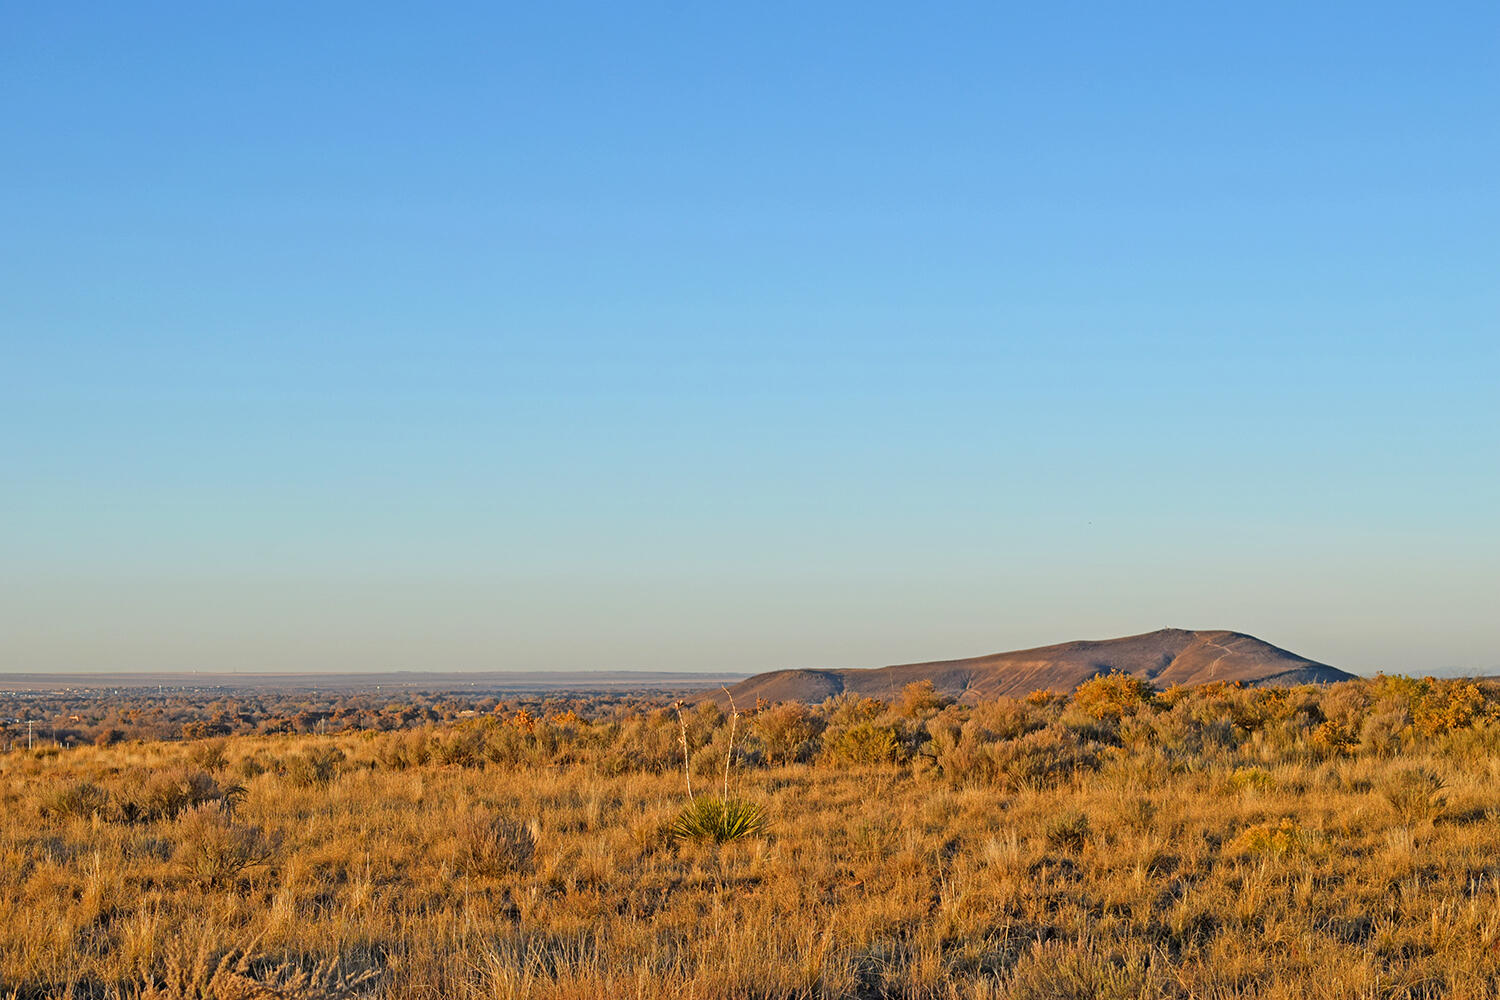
1215,841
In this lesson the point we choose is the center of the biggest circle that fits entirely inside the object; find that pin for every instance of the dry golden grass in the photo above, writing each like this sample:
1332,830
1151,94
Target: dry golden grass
1180,853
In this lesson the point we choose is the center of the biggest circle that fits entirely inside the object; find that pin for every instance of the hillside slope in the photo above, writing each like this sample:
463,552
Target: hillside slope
1166,657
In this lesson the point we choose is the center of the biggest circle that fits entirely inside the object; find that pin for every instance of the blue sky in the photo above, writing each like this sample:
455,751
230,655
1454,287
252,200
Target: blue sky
358,337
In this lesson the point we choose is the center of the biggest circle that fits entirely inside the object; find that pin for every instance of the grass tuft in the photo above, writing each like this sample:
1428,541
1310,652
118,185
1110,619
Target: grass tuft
1416,793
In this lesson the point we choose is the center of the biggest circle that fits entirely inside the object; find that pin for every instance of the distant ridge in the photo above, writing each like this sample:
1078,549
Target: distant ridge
1166,657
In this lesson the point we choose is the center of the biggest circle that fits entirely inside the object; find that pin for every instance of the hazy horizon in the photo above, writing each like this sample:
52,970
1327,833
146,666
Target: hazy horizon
367,339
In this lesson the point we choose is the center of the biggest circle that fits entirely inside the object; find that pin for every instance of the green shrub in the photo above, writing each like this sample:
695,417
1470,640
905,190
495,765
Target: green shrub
849,709
718,820
1251,777
1276,839
863,743
1335,739
1112,695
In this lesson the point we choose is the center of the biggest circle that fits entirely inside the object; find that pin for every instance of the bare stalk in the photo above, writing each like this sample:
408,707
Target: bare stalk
687,771
734,719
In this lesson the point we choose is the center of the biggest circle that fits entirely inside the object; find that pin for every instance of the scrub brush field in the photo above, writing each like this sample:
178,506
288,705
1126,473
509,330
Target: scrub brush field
1207,842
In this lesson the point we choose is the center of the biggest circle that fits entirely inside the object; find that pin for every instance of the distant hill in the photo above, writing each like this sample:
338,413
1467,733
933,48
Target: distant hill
1169,656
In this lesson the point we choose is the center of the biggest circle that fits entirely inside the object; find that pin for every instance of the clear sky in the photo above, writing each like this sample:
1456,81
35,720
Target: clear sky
741,336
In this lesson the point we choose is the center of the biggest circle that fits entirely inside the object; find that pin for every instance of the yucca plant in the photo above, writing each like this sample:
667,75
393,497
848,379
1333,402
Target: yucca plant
722,819
719,820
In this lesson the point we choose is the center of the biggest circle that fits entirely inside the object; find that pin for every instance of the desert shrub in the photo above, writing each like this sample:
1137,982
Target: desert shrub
230,797
749,755
650,742
314,766
863,743
1251,777
1291,717
1277,839
493,844
76,800
1008,718
1447,706
920,699
1138,812
1068,832
912,738
1106,730
1173,695
709,761
524,739
787,731
1381,732
1347,703
1189,729
163,795
702,722
1112,696
1138,731
208,755
1391,689
417,750
463,748
1248,708
389,751
849,709
509,745
1479,742
718,820
108,737
947,747
958,736
1041,759
214,851
1334,738
1416,793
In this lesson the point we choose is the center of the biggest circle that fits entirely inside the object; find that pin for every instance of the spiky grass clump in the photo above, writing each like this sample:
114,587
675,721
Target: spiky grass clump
719,820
